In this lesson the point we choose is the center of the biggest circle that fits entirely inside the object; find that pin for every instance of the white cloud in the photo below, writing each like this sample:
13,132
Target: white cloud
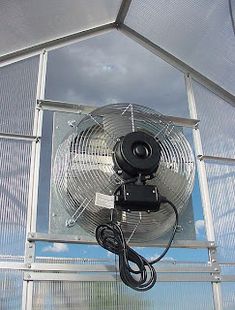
56,248
199,226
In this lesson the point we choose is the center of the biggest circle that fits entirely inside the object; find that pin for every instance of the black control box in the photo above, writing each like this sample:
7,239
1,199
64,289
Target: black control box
133,197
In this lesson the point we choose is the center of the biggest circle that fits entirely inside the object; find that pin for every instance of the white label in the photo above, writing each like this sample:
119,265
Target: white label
104,201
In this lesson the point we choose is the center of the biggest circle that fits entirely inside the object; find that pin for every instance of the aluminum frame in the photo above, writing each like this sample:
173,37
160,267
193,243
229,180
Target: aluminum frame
204,189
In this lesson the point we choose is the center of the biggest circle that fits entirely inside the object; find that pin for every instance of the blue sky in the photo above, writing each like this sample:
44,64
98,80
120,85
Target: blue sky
107,69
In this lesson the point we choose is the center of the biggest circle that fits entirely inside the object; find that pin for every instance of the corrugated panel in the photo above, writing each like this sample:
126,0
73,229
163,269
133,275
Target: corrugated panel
11,284
14,183
112,295
198,32
221,180
228,293
217,123
26,23
18,85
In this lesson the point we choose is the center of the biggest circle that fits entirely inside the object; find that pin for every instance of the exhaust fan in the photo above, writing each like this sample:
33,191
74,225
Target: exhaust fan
124,174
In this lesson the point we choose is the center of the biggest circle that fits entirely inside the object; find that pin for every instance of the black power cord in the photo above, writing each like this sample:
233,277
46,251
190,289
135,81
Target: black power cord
143,277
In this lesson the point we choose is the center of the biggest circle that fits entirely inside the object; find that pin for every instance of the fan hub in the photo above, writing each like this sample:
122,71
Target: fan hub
137,153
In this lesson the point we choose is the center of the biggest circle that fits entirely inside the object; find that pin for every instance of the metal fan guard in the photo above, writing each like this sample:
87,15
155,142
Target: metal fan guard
83,166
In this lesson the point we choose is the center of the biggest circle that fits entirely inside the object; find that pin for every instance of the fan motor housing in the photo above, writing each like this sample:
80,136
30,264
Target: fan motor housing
136,153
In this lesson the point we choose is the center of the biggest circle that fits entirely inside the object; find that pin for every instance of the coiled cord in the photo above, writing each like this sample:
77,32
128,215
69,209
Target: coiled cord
143,277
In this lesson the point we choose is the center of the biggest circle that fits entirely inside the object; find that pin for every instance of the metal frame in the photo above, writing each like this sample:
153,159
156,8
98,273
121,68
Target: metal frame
204,191
27,296
187,244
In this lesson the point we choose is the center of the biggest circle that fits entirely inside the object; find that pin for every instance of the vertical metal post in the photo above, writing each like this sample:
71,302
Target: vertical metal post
205,196
34,180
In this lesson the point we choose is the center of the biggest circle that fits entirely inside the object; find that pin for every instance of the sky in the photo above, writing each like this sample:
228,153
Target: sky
107,69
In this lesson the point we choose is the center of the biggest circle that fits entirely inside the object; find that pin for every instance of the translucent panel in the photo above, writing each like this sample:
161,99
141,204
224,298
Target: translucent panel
14,186
18,85
112,68
228,295
11,284
222,194
199,33
217,123
26,23
113,295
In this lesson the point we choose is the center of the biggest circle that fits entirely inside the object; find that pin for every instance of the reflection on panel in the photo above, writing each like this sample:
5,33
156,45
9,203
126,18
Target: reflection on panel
221,180
14,185
26,23
228,293
113,295
198,32
11,284
217,123
112,68
18,85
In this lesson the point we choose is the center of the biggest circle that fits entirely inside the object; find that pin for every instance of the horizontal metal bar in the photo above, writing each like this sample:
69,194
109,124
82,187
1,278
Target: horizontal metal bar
55,43
161,267
178,64
78,108
192,244
216,158
184,122
228,278
59,106
77,277
13,265
17,137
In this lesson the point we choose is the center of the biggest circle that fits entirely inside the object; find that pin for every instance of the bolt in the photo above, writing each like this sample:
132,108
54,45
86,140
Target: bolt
216,269
127,194
72,123
128,210
119,172
29,265
31,235
28,276
148,211
213,260
154,191
53,214
70,223
30,245
217,278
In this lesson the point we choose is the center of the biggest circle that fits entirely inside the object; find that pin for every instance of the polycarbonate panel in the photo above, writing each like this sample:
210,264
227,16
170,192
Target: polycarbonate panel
217,122
18,86
112,296
228,295
198,32
221,180
14,187
26,23
11,284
